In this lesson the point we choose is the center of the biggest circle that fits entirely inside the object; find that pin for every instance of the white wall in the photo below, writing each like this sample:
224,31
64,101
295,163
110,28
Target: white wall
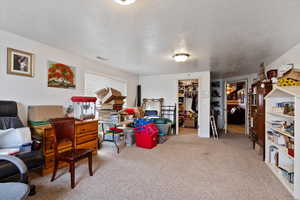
34,91
166,86
291,56
94,82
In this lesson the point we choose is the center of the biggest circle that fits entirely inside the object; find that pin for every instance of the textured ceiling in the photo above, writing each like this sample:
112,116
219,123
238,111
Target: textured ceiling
229,37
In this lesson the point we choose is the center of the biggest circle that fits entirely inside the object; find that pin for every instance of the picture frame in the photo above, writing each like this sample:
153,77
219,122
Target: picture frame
20,63
61,75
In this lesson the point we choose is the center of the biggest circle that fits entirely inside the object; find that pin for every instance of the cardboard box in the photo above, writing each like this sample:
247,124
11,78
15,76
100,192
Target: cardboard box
44,113
107,95
189,123
292,74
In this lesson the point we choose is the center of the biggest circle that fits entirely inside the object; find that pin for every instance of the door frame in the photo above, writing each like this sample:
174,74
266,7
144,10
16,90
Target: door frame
177,102
246,104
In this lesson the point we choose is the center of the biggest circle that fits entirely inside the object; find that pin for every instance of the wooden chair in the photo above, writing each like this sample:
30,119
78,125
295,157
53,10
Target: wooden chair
65,131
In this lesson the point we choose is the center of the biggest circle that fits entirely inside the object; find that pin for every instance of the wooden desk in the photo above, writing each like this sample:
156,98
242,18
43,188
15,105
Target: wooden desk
86,133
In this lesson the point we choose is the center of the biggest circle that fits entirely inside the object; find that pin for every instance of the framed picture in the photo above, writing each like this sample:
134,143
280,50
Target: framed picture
61,75
20,62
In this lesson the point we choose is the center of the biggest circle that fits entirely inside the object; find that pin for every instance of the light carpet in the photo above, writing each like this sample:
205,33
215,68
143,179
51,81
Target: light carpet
185,167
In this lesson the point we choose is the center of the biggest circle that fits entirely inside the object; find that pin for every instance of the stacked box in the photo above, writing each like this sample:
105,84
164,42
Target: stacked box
111,99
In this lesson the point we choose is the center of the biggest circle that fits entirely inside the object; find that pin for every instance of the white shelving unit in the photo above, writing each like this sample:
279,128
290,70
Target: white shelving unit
285,166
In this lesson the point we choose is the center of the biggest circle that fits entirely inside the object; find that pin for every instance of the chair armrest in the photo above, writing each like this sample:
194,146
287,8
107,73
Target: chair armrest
20,165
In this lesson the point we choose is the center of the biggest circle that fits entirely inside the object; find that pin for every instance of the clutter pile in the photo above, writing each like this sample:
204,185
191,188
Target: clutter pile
290,78
114,134
110,99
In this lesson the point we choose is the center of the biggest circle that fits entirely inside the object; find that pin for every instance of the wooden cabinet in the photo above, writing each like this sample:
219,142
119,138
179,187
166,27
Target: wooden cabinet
257,111
86,133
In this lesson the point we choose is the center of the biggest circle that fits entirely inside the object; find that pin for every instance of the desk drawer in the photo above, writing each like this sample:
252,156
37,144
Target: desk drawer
87,127
86,138
89,145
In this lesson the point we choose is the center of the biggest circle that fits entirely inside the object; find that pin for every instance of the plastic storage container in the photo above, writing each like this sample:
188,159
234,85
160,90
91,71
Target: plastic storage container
142,122
147,141
109,136
163,129
146,136
129,136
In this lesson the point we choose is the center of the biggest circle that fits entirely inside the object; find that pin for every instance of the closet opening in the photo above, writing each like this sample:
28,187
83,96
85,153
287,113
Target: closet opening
188,106
236,93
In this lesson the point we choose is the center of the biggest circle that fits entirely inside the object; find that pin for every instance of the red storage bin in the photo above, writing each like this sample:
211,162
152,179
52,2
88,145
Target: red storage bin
147,141
146,136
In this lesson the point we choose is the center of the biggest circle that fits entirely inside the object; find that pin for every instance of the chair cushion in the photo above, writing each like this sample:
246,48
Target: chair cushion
14,191
74,155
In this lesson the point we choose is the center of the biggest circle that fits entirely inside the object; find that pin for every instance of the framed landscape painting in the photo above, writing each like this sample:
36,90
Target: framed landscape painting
61,75
20,62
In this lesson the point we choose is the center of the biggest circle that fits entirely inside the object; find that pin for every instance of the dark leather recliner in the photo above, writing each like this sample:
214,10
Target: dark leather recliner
9,119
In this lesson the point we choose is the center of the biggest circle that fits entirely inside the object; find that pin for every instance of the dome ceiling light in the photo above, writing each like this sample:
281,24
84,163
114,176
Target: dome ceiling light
181,57
125,2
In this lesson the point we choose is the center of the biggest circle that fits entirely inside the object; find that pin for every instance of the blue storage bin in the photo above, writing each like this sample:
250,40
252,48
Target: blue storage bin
142,122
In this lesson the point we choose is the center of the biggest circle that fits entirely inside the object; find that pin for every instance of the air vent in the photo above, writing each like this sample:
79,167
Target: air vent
101,58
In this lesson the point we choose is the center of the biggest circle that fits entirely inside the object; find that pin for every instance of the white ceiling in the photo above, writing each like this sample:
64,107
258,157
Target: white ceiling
229,37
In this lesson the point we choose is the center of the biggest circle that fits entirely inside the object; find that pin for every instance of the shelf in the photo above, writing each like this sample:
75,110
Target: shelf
287,163
281,115
281,131
281,148
277,172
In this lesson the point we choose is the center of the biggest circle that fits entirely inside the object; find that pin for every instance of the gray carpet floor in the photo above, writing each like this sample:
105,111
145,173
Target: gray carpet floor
185,167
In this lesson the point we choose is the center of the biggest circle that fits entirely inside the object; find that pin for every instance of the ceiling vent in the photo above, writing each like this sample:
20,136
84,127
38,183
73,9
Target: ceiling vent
101,58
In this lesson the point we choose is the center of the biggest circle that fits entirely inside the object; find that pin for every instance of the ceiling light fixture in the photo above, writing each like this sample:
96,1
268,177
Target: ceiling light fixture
181,57
125,2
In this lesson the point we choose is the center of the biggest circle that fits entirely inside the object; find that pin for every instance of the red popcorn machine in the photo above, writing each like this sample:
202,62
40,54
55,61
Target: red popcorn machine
84,107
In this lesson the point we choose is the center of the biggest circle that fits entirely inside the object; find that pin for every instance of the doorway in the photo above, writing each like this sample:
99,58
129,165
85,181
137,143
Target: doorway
188,106
236,107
